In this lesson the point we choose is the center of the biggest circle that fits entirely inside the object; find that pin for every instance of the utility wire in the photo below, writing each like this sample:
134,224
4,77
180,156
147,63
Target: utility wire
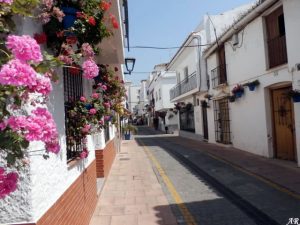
166,48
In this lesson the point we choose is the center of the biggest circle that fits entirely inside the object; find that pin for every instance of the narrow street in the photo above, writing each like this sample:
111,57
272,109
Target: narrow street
207,190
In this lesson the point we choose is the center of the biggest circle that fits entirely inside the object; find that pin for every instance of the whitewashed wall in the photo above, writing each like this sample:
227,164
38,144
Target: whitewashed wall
44,181
250,116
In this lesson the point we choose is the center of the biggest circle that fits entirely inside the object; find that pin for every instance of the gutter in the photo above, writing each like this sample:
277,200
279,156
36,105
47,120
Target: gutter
243,22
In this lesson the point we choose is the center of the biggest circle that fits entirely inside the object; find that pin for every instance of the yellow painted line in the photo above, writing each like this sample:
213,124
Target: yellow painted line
266,181
189,219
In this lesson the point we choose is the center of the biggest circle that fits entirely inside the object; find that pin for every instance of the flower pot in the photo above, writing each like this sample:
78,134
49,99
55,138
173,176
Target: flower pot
296,98
238,94
231,98
251,87
127,136
70,16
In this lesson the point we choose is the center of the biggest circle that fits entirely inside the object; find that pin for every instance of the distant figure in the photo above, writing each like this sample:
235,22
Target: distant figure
155,123
166,129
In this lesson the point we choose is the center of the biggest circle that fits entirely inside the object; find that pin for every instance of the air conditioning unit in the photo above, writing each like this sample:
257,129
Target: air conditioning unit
235,40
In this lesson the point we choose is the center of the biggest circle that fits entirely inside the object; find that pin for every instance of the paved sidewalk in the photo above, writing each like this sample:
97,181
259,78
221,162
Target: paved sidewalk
132,194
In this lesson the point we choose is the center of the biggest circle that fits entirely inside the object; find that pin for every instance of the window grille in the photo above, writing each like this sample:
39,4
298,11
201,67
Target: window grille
73,90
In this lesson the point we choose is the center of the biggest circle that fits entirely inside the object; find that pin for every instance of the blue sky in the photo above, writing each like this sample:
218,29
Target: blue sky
165,23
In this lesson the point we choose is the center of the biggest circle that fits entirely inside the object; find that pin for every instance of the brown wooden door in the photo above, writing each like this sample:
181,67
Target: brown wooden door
283,116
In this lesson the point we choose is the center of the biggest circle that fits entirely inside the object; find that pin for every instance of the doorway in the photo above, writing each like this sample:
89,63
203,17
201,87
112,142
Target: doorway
283,124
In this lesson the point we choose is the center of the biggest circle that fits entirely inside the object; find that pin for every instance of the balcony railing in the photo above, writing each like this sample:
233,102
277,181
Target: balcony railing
219,76
184,86
277,51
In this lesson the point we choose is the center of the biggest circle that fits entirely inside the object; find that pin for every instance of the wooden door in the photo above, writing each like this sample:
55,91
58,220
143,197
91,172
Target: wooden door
284,124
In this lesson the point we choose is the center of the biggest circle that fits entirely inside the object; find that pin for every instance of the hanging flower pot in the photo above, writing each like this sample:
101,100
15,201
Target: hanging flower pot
295,95
231,98
70,16
296,98
252,85
238,91
127,136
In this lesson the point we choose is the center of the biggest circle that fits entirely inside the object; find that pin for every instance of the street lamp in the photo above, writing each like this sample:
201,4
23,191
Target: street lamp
129,63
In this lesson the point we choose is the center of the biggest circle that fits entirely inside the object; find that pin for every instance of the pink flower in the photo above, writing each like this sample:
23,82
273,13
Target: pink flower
101,122
66,59
82,99
45,17
87,50
8,182
84,154
104,87
93,111
16,73
48,4
106,104
106,118
9,2
3,125
39,126
43,85
90,69
58,14
86,129
24,48
95,95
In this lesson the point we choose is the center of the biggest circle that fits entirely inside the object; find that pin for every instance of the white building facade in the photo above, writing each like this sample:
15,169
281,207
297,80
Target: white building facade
192,79
261,47
159,85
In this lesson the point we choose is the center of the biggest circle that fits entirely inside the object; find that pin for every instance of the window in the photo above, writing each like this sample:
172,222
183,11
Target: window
276,40
222,121
156,98
73,90
159,94
219,74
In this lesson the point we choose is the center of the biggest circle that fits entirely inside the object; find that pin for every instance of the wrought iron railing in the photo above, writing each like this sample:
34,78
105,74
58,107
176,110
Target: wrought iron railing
184,86
219,76
277,51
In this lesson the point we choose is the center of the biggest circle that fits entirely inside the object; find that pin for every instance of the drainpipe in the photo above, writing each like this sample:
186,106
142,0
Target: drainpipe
198,37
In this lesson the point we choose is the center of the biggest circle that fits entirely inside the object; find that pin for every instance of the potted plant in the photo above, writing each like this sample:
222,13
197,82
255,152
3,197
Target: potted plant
238,91
295,94
252,85
231,98
127,130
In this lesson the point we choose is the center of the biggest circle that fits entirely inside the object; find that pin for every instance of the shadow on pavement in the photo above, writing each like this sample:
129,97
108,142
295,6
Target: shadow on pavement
243,199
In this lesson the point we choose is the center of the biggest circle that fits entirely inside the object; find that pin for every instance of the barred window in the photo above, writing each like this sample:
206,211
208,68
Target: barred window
73,90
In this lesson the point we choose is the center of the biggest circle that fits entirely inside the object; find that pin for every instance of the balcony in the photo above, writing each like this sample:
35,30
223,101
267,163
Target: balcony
184,86
219,76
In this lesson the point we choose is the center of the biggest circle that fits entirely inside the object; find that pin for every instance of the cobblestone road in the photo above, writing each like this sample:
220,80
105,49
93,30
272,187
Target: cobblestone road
214,192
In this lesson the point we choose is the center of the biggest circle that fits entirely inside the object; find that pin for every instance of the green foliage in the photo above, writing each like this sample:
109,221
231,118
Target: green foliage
24,7
128,128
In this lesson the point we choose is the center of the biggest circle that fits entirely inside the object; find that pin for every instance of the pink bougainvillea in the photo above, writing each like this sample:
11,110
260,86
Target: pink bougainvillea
93,111
87,50
8,182
39,126
17,73
7,1
24,48
90,69
43,85
95,95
